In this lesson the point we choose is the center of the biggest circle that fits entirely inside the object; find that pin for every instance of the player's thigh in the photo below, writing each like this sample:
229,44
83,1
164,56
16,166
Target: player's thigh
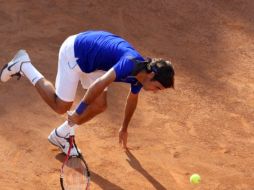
87,79
100,103
68,73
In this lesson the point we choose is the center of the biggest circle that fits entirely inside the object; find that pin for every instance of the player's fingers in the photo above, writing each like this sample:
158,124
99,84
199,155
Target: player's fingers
120,138
125,140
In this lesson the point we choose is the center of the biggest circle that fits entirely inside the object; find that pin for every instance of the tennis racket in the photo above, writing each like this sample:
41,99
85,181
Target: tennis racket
75,174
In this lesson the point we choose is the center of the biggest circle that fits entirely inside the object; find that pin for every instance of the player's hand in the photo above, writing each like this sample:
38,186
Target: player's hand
123,136
72,118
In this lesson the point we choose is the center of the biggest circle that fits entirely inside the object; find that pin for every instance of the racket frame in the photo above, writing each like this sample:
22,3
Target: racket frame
67,157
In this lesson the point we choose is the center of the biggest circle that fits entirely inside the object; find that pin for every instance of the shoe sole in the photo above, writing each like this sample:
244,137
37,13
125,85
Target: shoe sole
4,67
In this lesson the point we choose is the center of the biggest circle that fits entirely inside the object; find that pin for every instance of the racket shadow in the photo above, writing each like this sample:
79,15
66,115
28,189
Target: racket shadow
135,164
96,178
104,183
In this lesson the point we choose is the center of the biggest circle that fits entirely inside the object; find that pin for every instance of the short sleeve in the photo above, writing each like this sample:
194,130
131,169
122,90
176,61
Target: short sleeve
135,88
123,68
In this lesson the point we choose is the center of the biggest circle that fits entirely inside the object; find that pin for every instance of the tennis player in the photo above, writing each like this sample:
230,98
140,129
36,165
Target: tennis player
96,59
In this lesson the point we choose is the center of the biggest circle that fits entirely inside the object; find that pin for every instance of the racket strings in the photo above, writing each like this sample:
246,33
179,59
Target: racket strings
74,170
86,172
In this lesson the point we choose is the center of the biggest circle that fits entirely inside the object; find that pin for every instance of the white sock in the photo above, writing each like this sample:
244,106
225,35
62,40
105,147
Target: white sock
31,73
64,129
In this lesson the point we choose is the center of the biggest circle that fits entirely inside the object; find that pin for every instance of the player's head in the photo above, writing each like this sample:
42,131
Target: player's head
158,75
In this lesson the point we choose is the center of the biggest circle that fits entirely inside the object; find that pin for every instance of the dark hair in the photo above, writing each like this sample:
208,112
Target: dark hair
163,70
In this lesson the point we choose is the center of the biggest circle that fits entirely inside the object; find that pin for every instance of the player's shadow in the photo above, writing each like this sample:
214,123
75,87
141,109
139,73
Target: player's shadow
135,164
102,182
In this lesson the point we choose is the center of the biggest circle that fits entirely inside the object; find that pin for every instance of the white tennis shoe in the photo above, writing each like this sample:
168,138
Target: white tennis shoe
13,68
62,143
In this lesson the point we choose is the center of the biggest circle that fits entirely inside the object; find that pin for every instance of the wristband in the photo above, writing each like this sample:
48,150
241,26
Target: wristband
81,108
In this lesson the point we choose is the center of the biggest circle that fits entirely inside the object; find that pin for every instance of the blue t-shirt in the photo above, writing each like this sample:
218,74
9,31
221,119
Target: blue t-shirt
100,50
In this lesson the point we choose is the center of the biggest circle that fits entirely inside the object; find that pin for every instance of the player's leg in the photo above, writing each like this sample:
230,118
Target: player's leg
21,64
60,98
58,136
98,106
48,93
67,79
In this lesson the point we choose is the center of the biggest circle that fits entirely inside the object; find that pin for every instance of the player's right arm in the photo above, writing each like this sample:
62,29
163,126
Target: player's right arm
98,86
121,69
95,90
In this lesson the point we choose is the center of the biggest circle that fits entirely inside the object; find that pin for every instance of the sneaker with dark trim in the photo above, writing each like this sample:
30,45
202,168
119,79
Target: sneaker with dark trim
13,68
62,143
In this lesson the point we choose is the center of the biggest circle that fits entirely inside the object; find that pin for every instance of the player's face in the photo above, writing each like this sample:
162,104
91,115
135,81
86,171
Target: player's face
152,85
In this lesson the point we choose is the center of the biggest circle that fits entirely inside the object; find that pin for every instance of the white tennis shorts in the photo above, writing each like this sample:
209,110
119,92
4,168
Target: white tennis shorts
69,73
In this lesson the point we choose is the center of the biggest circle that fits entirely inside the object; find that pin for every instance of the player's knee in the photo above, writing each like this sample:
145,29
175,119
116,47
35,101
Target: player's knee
62,108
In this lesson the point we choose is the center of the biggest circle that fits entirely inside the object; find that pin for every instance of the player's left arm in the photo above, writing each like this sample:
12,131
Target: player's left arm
130,107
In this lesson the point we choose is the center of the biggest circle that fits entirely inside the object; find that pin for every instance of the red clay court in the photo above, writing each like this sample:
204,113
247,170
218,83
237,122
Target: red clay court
204,126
